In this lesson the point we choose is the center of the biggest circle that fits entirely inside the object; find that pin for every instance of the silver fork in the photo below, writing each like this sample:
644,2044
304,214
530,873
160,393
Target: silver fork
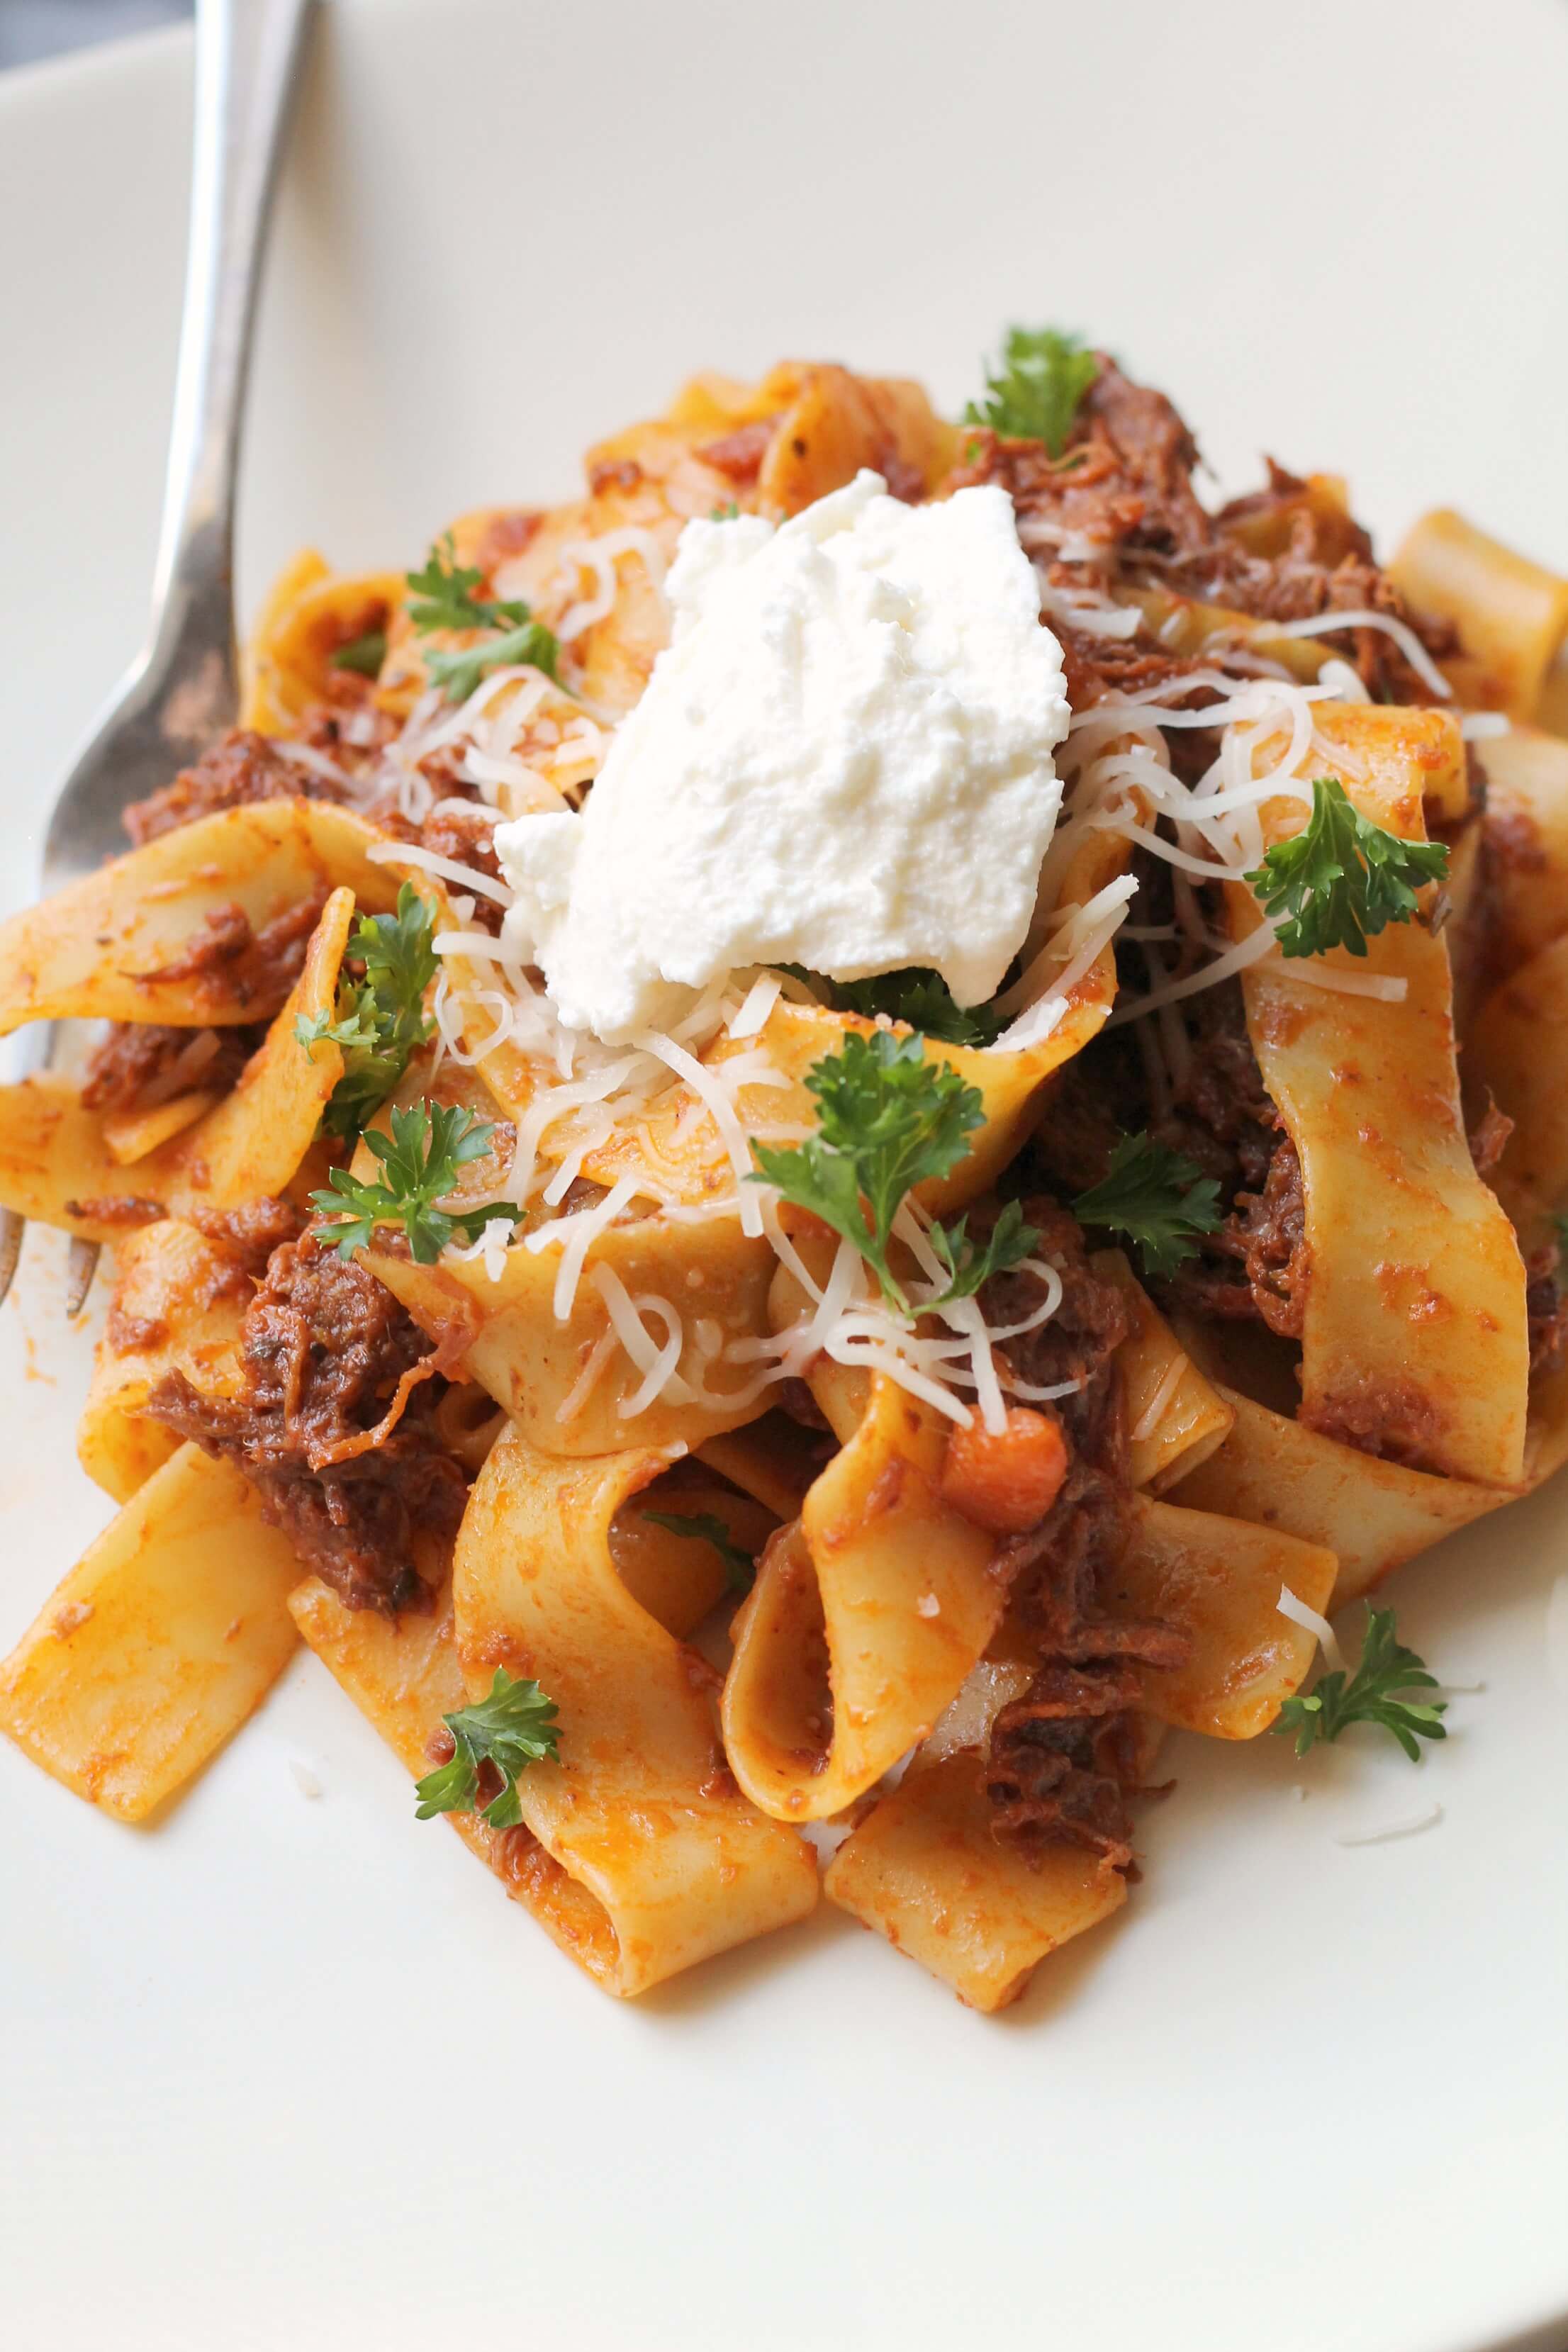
183,687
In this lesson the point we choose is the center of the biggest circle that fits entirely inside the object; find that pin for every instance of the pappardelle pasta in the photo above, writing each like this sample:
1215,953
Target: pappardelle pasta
786,1159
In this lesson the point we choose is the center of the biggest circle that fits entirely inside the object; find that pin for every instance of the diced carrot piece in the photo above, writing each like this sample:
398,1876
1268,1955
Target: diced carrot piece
1006,1482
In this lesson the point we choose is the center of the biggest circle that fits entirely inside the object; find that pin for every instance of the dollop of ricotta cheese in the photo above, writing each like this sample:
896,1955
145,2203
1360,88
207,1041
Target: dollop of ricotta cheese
842,759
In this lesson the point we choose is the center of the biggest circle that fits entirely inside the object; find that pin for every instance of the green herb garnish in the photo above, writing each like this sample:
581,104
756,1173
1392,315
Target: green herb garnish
513,1726
420,1160
920,997
1369,1695
707,1527
1033,395
889,1120
972,1264
445,597
460,673
364,655
1342,878
1155,1196
378,1021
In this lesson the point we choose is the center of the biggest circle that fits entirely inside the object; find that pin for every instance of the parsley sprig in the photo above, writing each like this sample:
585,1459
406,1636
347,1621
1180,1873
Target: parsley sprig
362,654
1370,1695
511,1728
971,1263
1035,393
1342,878
887,1120
1157,1197
420,1160
445,599
707,1527
915,996
377,1020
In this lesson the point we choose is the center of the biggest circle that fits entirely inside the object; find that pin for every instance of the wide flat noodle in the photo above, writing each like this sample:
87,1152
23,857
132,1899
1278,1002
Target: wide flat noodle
1415,1319
310,615
163,1638
865,1618
1371,1515
567,1383
1175,1417
1510,613
1526,833
177,1306
772,447
926,1867
95,950
1516,1050
403,1678
926,1870
56,1165
1218,1580
680,1578
639,1807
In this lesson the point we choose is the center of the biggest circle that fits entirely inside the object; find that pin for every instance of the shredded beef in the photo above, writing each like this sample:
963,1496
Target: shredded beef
1063,1756
1545,1309
118,1209
1222,1120
1077,1343
245,966
1097,666
241,768
738,454
1393,1420
1269,1228
334,1426
1489,1139
126,1334
141,1064
250,1233
469,840
1123,491
221,937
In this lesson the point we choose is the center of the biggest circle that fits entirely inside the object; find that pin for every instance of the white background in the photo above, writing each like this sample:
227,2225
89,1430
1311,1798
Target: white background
283,2074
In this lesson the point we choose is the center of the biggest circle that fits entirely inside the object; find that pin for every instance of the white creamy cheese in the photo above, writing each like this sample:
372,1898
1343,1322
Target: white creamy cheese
842,761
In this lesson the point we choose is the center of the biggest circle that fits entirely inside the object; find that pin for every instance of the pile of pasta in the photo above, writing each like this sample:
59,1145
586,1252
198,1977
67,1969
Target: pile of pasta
669,1827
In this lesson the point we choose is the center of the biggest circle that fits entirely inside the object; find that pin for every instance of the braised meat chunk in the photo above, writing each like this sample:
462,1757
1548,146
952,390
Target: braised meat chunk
241,767
334,1426
1063,1758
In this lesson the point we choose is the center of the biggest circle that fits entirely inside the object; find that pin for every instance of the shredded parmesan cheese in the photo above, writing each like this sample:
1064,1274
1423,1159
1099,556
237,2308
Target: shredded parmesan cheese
1405,1825
1299,1614
1154,1412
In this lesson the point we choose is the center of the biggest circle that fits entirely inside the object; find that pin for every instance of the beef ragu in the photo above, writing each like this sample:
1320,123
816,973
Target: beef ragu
1065,1756
334,1426
898,1397
1123,487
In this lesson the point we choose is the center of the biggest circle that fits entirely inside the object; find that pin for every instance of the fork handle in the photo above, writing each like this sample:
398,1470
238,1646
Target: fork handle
248,59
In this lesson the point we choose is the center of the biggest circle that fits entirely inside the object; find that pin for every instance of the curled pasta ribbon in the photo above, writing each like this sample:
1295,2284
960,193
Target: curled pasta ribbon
116,945
1414,1332
571,1384
865,1618
163,1638
56,1164
926,1868
310,615
639,1809
176,1307
1511,615
1173,1416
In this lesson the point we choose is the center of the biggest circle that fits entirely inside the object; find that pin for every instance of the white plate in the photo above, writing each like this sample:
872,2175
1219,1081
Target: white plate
289,2073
